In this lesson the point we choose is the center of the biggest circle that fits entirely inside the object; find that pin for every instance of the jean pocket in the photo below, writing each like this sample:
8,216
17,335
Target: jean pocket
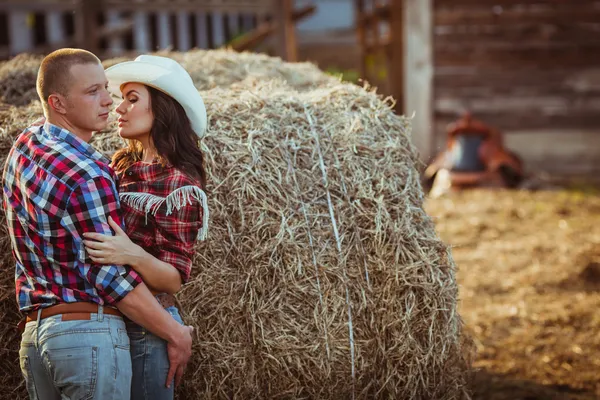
74,370
28,375
122,339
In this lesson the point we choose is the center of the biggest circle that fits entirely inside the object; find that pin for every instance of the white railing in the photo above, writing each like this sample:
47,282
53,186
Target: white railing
115,27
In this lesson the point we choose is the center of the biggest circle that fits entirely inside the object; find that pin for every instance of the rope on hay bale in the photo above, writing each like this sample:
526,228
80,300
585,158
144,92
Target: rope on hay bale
322,276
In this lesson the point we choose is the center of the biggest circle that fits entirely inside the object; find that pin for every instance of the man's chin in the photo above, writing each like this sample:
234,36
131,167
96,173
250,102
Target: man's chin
100,127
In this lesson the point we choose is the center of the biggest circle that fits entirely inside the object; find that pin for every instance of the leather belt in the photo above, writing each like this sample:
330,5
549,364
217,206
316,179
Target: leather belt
79,311
82,311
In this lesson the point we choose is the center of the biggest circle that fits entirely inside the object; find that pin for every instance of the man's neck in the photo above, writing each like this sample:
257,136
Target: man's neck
63,123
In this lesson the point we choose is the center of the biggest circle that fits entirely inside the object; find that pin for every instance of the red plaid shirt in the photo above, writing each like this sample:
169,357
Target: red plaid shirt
56,187
163,210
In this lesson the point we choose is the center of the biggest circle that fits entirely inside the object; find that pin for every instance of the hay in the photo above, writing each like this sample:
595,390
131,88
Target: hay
322,276
17,79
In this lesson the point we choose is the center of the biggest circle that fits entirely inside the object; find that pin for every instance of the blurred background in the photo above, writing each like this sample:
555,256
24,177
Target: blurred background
528,68
504,97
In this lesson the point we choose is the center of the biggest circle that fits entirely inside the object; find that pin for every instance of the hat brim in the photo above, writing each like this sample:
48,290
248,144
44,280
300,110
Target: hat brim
134,71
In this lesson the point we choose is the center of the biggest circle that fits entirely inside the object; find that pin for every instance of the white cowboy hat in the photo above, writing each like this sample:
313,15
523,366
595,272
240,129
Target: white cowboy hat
166,75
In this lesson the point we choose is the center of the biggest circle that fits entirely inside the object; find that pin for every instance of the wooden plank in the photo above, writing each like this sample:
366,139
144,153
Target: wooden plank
584,56
359,12
490,47
20,32
55,31
504,3
86,25
553,81
201,30
222,6
141,33
557,152
266,28
379,12
533,35
165,38
218,29
233,24
184,41
247,22
528,119
286,31
38,6
116,44
490,16
401,62
418,64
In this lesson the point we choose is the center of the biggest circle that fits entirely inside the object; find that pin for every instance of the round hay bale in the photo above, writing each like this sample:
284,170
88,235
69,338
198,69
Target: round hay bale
322,276
17,79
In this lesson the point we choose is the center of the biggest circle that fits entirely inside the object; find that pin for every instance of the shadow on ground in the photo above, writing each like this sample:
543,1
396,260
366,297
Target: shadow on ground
487,386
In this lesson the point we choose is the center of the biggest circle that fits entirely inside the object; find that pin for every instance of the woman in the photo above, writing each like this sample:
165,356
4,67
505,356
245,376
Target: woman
161,186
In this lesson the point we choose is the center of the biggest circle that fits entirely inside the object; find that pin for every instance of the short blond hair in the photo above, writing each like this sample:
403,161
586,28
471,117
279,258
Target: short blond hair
55,72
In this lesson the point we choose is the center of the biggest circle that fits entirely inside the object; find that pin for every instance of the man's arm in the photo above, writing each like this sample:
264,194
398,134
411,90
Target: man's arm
89,206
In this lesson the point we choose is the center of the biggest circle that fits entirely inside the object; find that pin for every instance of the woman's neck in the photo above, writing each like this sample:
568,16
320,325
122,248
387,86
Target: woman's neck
149,153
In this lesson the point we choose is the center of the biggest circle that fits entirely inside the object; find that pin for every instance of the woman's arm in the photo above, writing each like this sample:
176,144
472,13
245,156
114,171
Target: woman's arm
119,249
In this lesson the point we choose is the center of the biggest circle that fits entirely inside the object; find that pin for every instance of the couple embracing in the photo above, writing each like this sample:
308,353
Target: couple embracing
101,246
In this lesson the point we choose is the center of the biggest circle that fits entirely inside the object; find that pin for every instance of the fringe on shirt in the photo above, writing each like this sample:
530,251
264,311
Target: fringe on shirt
178,198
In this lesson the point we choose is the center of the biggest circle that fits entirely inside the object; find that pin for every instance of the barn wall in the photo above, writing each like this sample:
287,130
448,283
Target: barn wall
528,67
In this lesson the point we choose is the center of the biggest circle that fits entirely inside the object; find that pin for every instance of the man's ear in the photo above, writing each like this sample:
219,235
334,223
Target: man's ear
58,103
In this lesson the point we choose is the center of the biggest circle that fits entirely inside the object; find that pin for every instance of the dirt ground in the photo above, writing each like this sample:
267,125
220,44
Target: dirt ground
529,275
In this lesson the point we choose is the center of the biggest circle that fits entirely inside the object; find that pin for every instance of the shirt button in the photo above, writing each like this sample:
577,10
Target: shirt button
130,173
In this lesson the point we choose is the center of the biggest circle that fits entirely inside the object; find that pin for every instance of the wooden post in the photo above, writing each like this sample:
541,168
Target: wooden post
218,29
359,12
234,25
20,32
165,39
418,75
247,22
286,30
201,30
141,32
55,28
116,45
397,52
184,42
87,25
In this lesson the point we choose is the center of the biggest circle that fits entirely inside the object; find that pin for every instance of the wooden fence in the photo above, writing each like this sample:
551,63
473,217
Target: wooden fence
115,27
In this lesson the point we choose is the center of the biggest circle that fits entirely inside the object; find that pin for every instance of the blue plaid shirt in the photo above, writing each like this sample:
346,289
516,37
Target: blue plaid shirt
56,187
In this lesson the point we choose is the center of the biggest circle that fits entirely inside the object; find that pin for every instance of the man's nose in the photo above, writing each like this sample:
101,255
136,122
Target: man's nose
107,100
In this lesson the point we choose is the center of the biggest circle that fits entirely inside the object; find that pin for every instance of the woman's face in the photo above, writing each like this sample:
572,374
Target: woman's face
135,112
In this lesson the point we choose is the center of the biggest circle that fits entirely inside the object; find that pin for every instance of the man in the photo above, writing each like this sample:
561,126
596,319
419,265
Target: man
56,187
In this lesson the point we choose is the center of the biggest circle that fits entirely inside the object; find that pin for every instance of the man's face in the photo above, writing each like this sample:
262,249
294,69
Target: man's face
88,101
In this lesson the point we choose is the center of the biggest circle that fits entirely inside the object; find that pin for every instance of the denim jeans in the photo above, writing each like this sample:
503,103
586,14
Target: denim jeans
82,359
150,363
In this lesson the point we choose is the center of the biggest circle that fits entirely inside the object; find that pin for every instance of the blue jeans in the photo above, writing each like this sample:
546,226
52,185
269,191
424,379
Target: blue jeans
82,359
150,363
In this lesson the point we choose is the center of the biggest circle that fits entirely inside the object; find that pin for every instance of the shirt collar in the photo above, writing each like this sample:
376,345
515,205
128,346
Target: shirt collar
72,139
148,171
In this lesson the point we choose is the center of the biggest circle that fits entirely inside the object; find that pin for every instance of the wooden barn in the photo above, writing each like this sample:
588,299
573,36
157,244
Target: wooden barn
530,68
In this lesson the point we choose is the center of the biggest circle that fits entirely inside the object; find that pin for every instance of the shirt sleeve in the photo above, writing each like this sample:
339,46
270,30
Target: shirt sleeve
176,236
89,206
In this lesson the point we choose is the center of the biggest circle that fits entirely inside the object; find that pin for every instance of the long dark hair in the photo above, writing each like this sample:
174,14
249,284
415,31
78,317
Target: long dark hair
173,137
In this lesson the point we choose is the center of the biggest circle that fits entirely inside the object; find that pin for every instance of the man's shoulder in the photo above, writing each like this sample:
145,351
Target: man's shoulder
60,160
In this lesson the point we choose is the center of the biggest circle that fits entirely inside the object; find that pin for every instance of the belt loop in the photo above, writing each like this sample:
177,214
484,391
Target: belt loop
100,313
37,327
